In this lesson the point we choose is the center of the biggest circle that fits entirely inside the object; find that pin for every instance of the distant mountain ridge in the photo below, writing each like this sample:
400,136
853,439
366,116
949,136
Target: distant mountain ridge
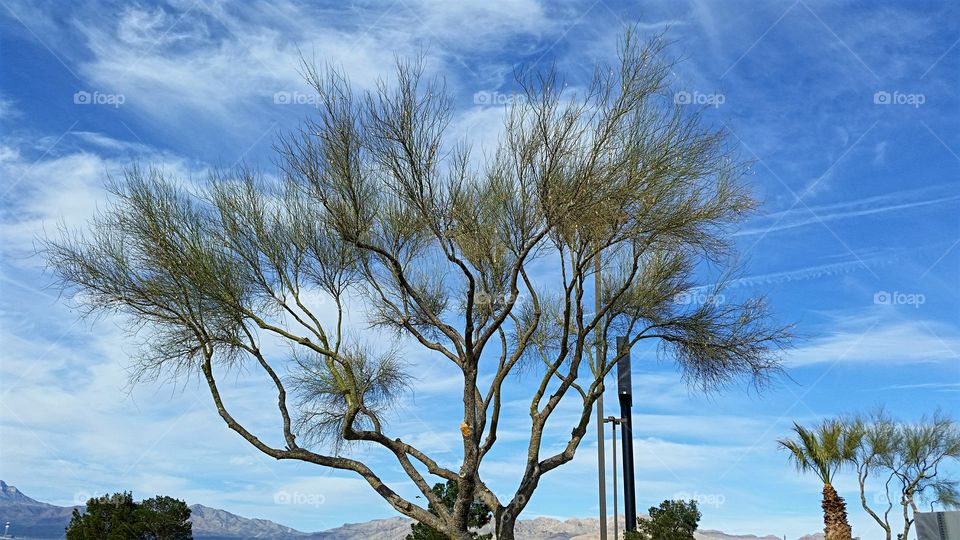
215,524
41,520
34,520
11,494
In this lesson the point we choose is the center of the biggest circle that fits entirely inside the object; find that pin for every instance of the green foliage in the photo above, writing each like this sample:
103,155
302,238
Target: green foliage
673,520
118,517
108,518
925,448
479,515
823,449
164,518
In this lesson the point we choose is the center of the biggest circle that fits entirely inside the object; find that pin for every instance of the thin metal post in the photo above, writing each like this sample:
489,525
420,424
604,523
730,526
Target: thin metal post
613,423
601,466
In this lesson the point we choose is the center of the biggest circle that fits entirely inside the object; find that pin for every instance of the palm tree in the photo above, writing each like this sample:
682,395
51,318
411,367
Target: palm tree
824,450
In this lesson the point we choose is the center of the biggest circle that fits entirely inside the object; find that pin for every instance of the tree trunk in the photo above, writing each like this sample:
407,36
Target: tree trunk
836,526
863,471
506,521
906,516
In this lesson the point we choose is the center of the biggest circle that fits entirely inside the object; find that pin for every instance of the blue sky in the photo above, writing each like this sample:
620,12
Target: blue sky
849,112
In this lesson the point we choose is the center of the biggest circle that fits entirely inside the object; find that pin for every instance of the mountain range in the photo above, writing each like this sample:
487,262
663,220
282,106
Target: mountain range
32,519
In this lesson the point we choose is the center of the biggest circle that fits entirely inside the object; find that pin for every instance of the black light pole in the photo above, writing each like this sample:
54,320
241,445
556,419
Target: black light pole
625,393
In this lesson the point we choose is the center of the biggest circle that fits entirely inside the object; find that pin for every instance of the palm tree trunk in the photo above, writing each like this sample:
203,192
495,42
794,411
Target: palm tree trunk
835,524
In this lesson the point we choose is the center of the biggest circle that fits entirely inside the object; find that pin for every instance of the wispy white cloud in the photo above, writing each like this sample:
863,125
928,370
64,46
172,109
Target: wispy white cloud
900,201
881,342
224,66
809,272
8,109
110,144
63,187
934,387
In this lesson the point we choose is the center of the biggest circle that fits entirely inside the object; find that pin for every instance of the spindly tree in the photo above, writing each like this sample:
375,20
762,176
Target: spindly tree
927,446
824,450
909,459
588,221
876,454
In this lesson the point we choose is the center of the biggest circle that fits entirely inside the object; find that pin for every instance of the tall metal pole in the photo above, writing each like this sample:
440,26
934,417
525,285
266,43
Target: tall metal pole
601,467
625,394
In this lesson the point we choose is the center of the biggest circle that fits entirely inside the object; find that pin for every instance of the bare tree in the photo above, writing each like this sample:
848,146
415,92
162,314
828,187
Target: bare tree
375,201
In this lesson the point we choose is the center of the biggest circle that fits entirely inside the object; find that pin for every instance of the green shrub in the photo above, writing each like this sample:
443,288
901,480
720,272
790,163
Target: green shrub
673,520
118,517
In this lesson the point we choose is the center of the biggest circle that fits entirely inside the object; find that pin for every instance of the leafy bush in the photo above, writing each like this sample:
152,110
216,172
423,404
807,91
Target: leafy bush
673,520
118,517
